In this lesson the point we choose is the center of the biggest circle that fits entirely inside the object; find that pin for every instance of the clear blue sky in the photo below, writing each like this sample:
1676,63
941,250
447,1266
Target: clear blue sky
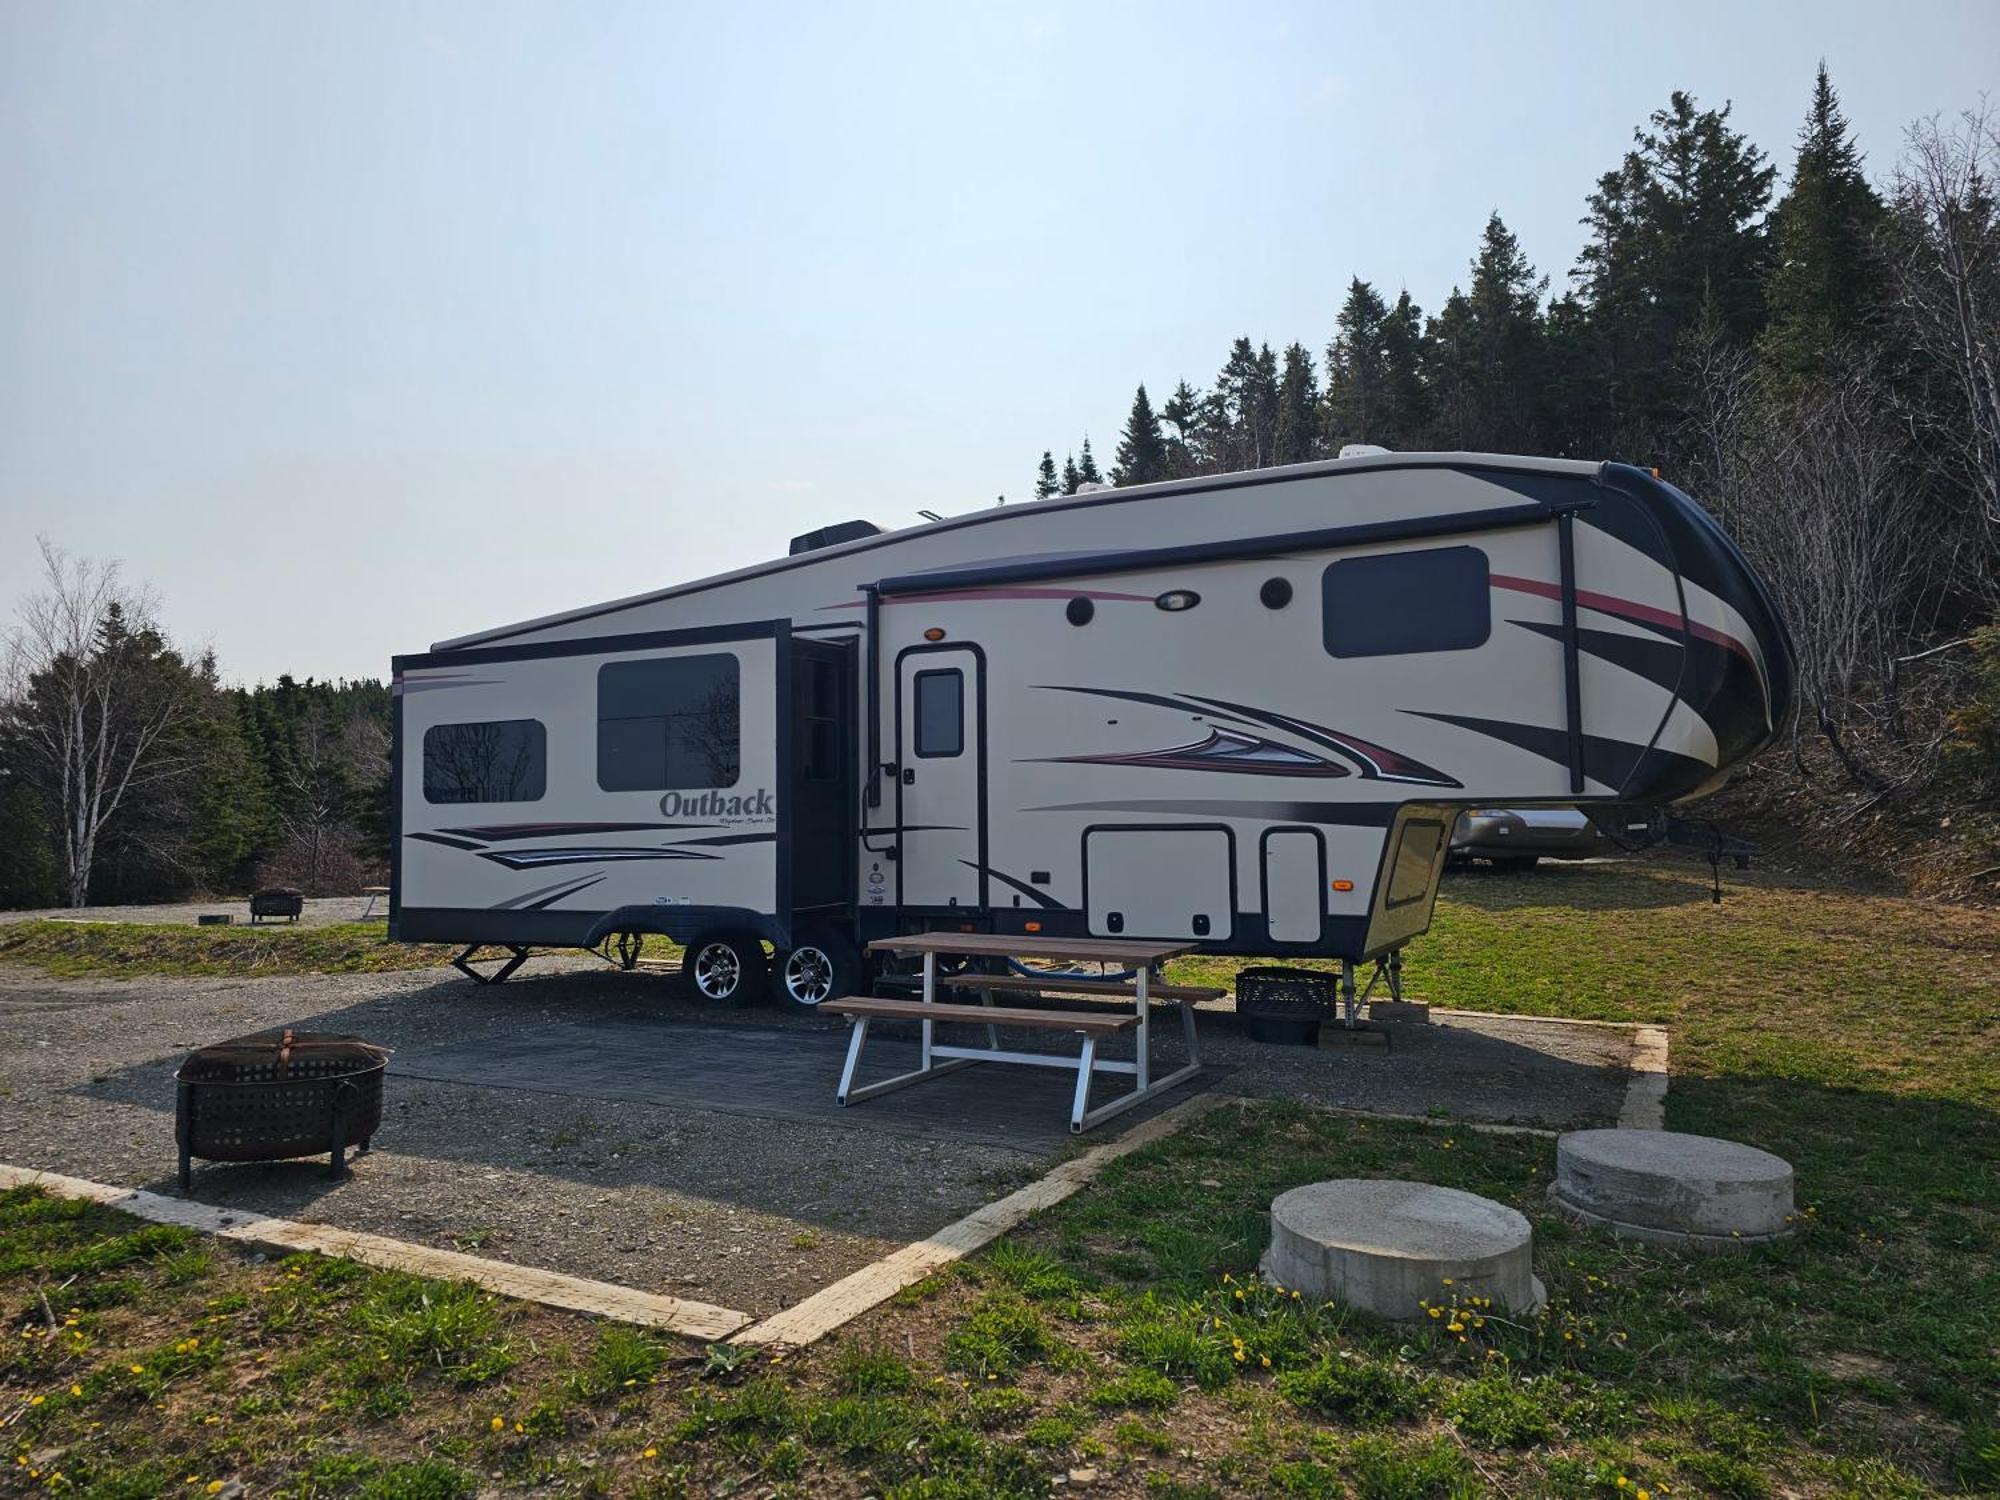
355,326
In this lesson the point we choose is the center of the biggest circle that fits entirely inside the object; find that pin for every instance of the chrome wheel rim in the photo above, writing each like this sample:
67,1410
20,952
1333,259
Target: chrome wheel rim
717,971
809,975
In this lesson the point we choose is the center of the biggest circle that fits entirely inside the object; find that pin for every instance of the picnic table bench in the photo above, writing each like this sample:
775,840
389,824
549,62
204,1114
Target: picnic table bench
939,1058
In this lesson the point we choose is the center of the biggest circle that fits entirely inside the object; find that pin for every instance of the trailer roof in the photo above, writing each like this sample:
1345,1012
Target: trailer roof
996,514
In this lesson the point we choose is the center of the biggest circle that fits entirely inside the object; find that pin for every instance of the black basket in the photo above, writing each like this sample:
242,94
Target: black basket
1284,1005
279,1094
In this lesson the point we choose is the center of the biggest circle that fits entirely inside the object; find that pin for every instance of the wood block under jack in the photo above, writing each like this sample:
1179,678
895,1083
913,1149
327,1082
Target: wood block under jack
1335,1037
1415,1011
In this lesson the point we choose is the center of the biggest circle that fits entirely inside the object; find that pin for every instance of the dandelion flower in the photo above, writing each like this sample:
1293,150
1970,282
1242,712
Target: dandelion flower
76,1390
1264,1360
497,1424
215,1486
651,1453
37,1401
1454,1326
1239,1356
1623,1481
1437,1312
138,1369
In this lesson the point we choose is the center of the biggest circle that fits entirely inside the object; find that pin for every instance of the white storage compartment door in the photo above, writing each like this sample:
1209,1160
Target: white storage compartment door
1159,882
1294,884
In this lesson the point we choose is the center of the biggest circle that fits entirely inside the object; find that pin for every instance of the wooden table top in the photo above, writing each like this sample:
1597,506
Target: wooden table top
999,945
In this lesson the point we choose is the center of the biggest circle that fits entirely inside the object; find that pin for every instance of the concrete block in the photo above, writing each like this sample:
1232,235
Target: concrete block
1415,1012
1388,1246
1667,1188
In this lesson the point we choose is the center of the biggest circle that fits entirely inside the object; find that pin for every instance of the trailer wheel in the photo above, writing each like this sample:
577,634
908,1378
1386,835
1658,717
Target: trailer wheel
725,968
823,966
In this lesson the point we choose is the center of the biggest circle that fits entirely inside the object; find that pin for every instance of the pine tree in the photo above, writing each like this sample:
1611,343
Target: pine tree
1355,373
1186,447
1086,467
1407,400
1071,475
1245,408
1487,351
1296,432
1046,482
1675,241
1825,286
1142,450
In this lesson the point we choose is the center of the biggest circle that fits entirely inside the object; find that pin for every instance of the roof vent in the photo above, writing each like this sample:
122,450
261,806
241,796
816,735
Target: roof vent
1092,486
833,536
1362,450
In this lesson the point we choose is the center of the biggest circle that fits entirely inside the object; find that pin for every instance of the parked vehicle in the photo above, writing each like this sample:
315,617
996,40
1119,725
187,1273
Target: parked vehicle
1241,711
1517,838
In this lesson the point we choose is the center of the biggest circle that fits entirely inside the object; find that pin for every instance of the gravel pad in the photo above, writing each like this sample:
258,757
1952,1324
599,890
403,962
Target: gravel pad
776,1073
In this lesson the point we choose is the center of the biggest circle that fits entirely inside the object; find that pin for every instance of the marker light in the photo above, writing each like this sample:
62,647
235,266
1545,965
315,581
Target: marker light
1032,926
1343,885
1175,600
934,634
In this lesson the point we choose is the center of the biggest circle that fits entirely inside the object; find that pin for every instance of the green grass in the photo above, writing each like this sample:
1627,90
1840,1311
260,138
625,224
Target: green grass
129,950
1125,1330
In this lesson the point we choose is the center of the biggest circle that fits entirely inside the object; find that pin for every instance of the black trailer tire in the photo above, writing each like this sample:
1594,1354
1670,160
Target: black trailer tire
822,965
725,968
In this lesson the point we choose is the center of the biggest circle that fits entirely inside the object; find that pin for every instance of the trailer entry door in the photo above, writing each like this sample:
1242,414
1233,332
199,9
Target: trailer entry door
824,774
940,776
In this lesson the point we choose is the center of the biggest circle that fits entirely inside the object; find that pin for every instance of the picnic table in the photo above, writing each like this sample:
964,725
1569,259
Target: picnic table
1093,1025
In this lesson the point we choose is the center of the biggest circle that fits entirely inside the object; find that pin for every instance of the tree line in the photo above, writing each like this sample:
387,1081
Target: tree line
129,772
1817,360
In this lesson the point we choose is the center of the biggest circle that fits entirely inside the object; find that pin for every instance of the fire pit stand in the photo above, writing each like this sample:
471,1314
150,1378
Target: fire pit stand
278,1094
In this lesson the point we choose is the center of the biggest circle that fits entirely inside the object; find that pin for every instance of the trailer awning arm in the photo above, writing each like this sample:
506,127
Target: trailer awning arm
1081,564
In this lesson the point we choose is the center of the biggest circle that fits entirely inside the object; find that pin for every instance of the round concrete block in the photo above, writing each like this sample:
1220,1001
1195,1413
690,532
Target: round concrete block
1387,1246
1672,1189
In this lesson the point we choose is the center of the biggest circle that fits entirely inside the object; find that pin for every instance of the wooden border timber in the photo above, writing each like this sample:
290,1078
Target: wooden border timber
816,1316
698,1320
1646,1095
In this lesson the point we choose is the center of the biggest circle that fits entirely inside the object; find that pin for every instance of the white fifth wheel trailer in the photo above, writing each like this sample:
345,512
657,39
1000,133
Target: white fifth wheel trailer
1241,711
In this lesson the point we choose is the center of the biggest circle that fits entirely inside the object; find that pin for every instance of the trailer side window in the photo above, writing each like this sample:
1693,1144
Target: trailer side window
1436,599
940,713
1416,858
669,722
506,761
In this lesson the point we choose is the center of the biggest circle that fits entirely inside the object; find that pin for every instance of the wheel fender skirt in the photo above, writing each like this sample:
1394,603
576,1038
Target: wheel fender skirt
684,922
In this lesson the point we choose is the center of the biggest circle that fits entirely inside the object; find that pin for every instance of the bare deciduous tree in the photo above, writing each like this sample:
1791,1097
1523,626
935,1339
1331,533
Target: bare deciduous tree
1945,264
87,704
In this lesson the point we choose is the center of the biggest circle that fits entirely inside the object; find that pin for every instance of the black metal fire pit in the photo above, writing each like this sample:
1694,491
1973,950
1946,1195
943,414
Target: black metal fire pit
277,901
1284,1005
279,1094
